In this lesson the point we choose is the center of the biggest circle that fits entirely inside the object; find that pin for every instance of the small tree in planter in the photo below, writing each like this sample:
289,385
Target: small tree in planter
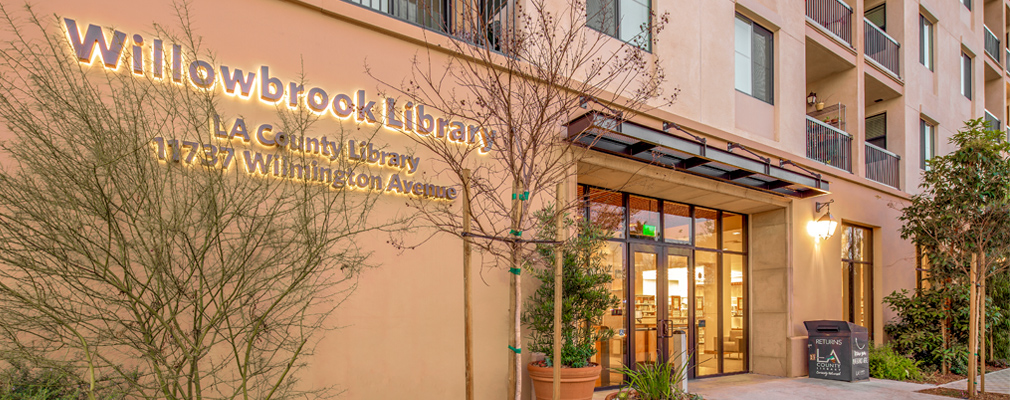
586,297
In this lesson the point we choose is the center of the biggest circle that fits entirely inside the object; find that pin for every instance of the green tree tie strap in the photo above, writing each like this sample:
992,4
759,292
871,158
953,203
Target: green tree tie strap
515,233
515,350
525,196
515,271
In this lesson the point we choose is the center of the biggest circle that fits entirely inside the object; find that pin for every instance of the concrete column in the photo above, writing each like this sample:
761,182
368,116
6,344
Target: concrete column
770,292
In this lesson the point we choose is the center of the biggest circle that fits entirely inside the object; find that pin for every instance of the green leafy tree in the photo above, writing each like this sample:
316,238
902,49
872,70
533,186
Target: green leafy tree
962,216
586,294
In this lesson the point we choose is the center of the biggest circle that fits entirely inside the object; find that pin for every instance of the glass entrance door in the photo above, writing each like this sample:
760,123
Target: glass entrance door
661,290
649,310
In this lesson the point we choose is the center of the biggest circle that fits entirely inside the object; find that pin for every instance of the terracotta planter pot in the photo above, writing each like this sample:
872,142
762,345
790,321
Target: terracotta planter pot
576,383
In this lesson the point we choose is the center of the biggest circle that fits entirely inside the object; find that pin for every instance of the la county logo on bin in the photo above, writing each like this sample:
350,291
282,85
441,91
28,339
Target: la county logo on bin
832,358
826,356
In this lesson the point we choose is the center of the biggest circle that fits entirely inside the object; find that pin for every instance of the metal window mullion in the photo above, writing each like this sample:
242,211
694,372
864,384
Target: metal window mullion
617,19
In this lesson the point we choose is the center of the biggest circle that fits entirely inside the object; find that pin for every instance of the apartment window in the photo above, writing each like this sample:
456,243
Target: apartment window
876,130
628,20
967,3
857,276
966,75
877,16
754,54
927,143
482,27
926,42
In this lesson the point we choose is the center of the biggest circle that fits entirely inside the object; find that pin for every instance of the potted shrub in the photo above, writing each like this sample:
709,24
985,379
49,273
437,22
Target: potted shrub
586,297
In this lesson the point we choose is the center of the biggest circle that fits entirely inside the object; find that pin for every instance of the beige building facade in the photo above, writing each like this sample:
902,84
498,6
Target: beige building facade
782,105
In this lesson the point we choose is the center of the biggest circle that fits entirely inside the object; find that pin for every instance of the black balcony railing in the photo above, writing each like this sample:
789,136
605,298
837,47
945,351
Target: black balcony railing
881,165
483,23
833,15
829,145
880,47
991,44
994,123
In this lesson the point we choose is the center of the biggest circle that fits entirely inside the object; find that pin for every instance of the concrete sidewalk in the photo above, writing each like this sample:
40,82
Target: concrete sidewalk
995,382
760,387
754,386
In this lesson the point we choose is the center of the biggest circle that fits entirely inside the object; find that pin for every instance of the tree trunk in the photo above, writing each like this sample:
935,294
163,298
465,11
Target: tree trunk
981,316
944,365
467,310
558,287
972,326
515,373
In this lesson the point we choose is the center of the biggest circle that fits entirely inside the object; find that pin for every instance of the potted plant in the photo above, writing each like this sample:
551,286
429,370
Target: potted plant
586,297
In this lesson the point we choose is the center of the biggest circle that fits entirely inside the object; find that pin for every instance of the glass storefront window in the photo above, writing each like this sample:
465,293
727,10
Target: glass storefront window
705,228
706,311
682,267
733,236
855,243
857,276
677,223
643,218
734,315
610,353
581,201
607,209
646,308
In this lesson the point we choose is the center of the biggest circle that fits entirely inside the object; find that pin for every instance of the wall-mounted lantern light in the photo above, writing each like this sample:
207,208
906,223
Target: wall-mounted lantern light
823,227
812,98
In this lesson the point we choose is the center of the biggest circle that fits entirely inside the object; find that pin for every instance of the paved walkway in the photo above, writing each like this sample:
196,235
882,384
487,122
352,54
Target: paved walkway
760,387
995,382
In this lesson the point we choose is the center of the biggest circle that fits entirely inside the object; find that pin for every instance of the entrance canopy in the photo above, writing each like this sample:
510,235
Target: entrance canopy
626,139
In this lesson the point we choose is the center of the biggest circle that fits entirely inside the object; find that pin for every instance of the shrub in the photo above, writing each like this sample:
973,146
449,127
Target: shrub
916,332
1000,293
19,382
585,297
657,381
23,382
885,363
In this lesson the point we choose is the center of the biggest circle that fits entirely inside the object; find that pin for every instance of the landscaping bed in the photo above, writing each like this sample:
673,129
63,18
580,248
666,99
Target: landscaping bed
963,394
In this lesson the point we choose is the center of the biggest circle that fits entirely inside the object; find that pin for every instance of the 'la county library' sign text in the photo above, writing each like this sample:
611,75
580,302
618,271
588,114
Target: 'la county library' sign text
166,63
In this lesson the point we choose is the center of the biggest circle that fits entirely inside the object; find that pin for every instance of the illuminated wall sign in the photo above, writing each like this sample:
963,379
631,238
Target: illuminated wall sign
167,63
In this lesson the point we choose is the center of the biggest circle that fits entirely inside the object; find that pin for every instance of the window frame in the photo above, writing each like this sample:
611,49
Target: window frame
616,28
756,29
966,75
882,115
927,29
927,148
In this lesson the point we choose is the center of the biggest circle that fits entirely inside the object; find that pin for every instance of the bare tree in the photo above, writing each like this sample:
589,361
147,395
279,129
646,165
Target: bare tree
143,251
513,75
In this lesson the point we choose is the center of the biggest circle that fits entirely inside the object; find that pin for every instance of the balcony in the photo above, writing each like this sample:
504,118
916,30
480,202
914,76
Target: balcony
991,44
829,145
1008,59
882,165
881,48
994,123
834,16
485,27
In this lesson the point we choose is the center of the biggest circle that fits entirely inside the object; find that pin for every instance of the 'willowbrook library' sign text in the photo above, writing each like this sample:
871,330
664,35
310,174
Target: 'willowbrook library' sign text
166,63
